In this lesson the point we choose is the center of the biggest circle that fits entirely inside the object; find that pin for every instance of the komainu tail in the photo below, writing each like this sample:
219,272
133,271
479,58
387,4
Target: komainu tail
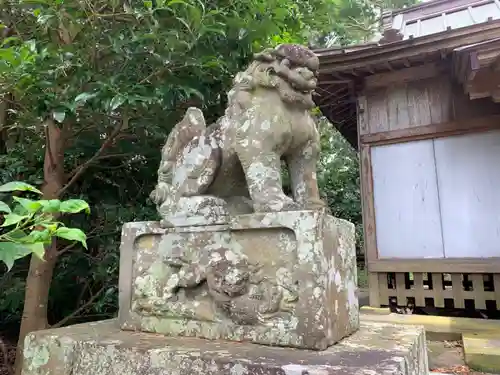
192,125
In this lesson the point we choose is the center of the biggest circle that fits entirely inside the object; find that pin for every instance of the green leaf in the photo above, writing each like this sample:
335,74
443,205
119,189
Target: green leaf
51,227
43,19
18,186
84,97
59,116
38,249
4,207
74,205
37,236
8,40
16,235
173,2
20,210
12,219
29,205
51,206
10,252
72,234
117,101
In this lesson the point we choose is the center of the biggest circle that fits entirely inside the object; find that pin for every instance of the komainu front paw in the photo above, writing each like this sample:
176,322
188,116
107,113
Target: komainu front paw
161,193
315,204
277,205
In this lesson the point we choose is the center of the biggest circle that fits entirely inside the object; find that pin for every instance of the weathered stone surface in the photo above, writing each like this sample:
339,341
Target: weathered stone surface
103,349
284,278
234,165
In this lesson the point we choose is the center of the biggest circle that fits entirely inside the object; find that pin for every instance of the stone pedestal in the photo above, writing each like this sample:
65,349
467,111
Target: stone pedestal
285,278
103,349
256,294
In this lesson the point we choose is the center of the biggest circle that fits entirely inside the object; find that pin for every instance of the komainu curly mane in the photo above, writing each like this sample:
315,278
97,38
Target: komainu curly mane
272,69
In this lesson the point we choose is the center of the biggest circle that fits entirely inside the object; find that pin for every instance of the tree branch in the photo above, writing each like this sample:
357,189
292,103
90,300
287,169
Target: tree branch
100,157
82,168
82,308
72,245
66,248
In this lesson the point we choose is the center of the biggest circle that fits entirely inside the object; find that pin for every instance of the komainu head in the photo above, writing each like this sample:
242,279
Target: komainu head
291,69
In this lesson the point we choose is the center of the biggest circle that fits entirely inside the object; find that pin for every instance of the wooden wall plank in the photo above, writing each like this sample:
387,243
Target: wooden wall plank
406,201
440,100
378,120
363,126
468,180
419,105
398,108
367,206
406,106
402,106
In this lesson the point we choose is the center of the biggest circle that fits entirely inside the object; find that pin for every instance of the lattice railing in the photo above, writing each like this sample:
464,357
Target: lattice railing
442,290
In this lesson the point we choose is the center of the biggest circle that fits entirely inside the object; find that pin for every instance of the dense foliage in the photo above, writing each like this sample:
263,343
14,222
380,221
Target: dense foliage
90,89
29,225
338,177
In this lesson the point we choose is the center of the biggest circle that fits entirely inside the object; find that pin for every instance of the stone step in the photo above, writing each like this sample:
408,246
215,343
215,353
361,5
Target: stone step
102,348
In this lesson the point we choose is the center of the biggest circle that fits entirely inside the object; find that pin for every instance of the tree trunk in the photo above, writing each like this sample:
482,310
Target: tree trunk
40,272
3,127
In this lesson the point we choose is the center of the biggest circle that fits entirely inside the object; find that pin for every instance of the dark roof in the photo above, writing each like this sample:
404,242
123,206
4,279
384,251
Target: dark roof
411,37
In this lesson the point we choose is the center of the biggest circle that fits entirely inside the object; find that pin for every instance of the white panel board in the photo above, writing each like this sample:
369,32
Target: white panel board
468,169
406,201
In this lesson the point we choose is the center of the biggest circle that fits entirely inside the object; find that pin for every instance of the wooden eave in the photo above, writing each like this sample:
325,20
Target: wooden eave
477,68
343,70
366,59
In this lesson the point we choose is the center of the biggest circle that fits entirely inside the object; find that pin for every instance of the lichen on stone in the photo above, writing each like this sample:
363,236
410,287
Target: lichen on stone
262,278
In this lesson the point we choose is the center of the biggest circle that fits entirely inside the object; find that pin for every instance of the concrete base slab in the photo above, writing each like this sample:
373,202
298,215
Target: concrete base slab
102,348
436,324
482,351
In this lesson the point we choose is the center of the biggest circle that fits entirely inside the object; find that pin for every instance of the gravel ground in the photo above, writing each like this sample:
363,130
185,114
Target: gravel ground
447,357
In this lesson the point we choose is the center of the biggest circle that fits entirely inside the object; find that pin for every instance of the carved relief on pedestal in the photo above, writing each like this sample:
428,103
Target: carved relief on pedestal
285,278
216,285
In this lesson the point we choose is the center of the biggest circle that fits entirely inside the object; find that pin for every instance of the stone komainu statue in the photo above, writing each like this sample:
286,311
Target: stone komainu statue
234,165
